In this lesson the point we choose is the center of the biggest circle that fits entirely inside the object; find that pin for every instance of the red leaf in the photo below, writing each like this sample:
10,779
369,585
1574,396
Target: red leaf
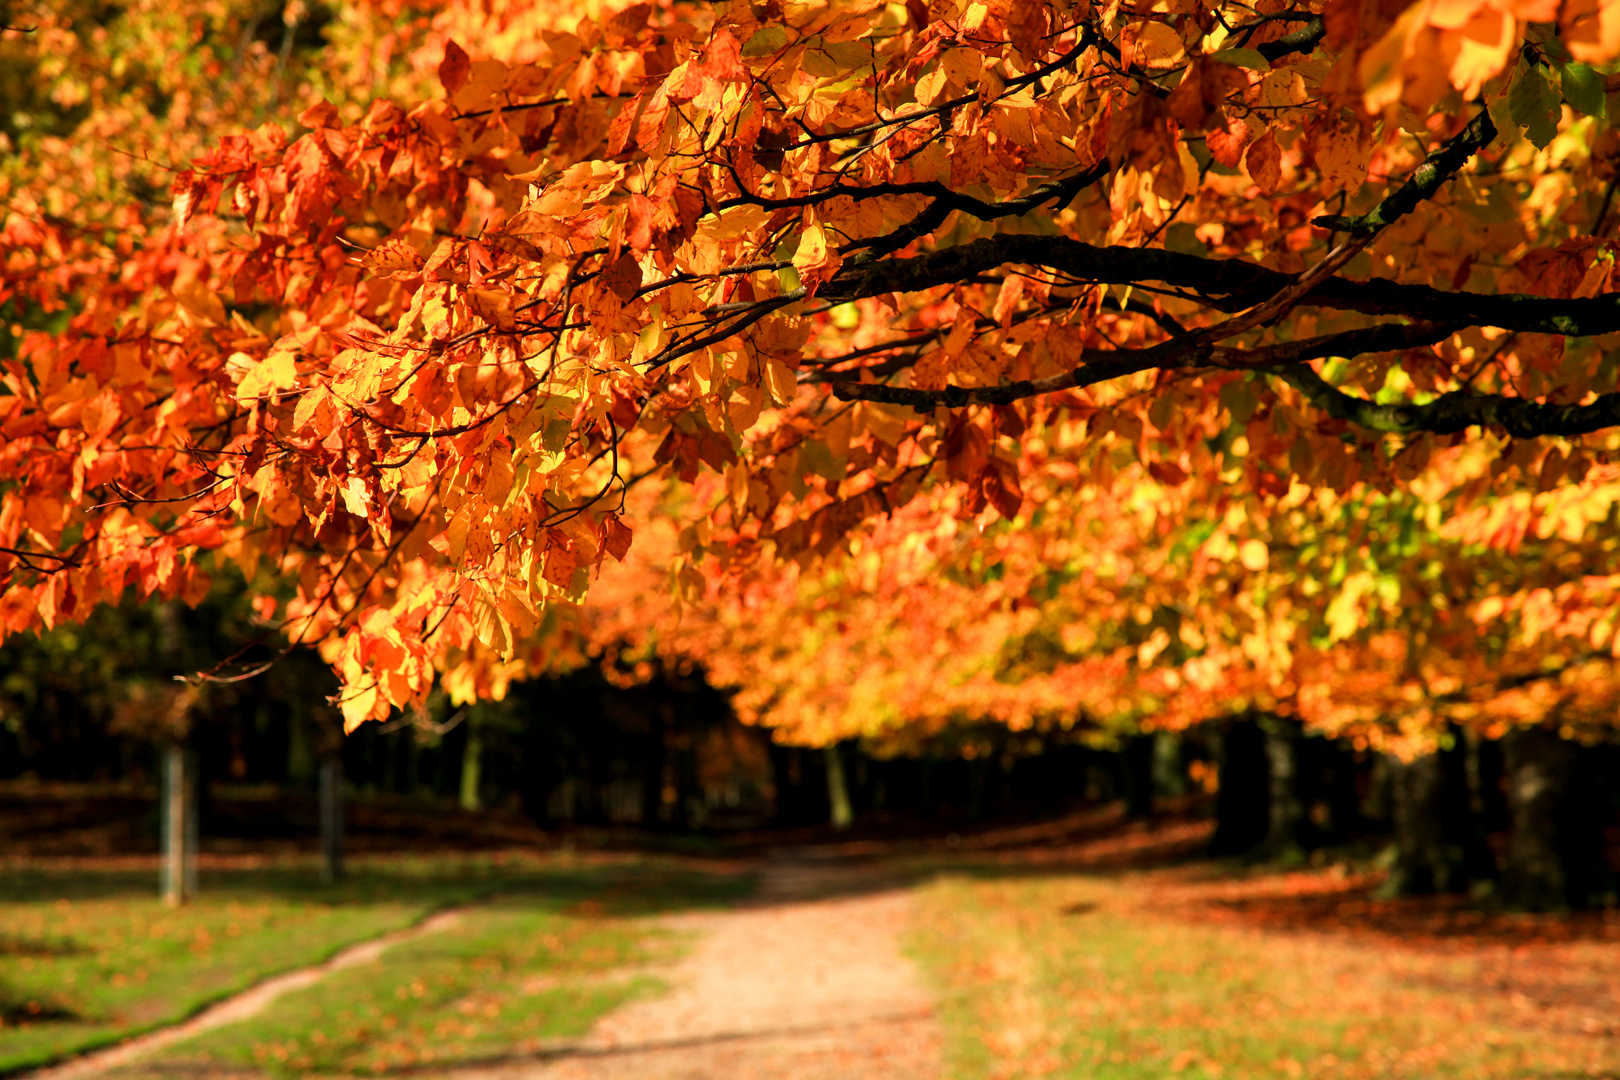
1001,487
623,277
1556,272
322,114
638,230
1226,143
453,68
1168,473
614,537
722,57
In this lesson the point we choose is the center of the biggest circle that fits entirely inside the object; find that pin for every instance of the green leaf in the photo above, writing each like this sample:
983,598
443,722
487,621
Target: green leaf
555,435
1583,89
1183,237
1608,372
1533,104
769,40
1244,58
1239,400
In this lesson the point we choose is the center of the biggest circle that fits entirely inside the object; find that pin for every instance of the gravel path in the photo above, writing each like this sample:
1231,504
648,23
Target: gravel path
786,988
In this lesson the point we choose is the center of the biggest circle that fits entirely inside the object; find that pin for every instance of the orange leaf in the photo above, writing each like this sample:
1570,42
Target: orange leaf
1264,161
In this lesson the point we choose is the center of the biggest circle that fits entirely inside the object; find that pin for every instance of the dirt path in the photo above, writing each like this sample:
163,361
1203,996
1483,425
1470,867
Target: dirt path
788,987
241,1006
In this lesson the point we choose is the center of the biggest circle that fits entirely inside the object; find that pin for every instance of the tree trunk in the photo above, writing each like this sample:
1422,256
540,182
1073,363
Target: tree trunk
179,825
1439,844
332,820
1169,765
1490,785
843,813
1556,856
471,767
1136,763
1243,797
300,762
1286,821
1428,859
1344,817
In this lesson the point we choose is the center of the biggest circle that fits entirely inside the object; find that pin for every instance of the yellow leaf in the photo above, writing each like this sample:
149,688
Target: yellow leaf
1254,555
1484,47
1383,67
812,251
780,382
1158,46
358,707
354,496
1343,157
745,406
278,371
1344,613
201,302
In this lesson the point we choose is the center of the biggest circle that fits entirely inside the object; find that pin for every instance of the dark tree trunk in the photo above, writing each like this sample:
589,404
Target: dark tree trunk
1243,798
331,804
927,797
1170,765
1286,820
1438,842
1136,763
1490,786
1556,856
1341,793
655,762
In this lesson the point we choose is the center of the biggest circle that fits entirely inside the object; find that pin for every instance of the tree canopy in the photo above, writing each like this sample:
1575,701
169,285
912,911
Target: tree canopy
973,357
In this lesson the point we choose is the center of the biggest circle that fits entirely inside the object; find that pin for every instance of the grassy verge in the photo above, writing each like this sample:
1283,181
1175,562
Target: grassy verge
88,958
507,978
539,962
1100,979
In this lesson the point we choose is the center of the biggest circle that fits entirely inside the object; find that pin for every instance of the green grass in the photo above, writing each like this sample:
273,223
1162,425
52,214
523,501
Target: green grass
508,977
1097,978
89,958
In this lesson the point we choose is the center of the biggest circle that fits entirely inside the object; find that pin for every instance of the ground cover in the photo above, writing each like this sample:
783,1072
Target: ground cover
1196,974
505,979
89,957
537,962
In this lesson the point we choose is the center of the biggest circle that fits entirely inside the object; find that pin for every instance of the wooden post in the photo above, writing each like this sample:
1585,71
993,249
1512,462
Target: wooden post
179,826
332,820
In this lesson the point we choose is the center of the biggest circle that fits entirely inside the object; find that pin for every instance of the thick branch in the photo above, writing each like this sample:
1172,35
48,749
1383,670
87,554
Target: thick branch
1457,411
1225,284
1173,354
1303,40
1439,166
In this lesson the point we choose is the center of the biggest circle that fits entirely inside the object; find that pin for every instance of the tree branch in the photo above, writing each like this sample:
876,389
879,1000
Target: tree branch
1456,411
1177,354
1224,284
1440,165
